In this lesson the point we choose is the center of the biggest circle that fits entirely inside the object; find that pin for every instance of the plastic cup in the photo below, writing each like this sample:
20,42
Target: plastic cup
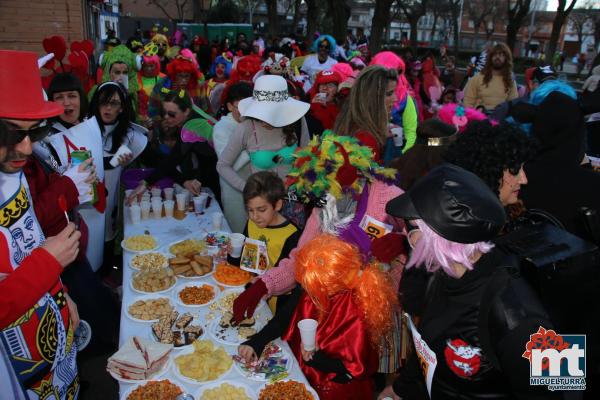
135,212
199,203
157,207
217,220
169,193
398,135
145,208
156,192
308,333
237,244
181,201
122,150
169,206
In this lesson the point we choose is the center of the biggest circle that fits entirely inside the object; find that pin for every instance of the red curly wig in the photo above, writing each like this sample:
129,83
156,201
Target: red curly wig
181,65
327,265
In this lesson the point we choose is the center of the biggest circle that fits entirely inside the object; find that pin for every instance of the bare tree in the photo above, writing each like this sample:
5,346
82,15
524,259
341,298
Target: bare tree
272,17
578,20
380,21
251,6
478,12
297,15
439,9
339,11
312,18
517,10
454,7
562,13
179,7
412,10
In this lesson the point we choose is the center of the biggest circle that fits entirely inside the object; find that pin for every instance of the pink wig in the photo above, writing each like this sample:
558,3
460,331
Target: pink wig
344,70
434,251
459,116
153,60
188,55
391,60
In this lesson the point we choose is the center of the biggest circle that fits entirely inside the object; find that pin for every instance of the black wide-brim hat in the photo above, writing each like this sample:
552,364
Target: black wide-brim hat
454,203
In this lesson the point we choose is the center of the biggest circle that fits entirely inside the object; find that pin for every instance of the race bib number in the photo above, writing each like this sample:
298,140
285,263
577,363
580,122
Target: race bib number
426,356
374,228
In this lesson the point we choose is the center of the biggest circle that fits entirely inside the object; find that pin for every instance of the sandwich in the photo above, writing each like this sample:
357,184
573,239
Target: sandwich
139,359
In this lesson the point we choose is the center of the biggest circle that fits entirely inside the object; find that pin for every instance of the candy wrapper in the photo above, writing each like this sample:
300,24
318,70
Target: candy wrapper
272,365
254,256
219,241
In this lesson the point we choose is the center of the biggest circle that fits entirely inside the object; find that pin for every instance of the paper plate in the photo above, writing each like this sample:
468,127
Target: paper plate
175,294
229,336
147,297
249,392
199,237
131,389
256,378
187,346
306,385
158,292
237,291
183,378
158,374
139,251
166,263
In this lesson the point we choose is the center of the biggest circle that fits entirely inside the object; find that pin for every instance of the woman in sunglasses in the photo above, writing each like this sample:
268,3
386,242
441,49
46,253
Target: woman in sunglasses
192,160
112,108
324,47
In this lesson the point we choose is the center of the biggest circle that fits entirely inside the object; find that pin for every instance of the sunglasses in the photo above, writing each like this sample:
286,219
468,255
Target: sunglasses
323,47
169,114
16,135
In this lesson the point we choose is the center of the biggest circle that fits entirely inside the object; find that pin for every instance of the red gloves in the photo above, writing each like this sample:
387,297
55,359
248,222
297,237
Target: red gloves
388,247
246,302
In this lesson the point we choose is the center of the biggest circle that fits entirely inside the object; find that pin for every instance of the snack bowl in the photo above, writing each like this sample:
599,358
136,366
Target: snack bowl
129,391
179,301
249,374
146,297
306,385
189,350
124,246
155,292
139,255
213,385
199,238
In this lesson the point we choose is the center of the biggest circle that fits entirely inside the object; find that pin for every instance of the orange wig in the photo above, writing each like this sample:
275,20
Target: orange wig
327,265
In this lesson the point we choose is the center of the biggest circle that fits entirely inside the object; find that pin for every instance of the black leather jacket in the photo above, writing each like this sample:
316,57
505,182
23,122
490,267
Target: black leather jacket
478,327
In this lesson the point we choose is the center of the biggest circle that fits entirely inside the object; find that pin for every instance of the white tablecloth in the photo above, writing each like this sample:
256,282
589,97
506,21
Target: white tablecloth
167,231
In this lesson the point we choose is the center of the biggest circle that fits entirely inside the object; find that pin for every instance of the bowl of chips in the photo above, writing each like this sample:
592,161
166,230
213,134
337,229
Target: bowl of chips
148,260
187,247
139,243
222,390
203,363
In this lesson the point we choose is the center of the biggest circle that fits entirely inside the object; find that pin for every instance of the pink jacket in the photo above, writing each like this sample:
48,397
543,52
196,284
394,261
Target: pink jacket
281,279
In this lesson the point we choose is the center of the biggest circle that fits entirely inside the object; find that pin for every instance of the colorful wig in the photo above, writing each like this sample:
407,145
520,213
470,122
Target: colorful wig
226,60
329,39
435,252
160,38
344,70
327,265
332,164
459,116
245,68
120,54
553,85
188,55
152,60
183,65
391,60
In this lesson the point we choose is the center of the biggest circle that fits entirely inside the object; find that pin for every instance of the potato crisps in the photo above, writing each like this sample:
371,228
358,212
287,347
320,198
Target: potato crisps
206,363
140,242
225,392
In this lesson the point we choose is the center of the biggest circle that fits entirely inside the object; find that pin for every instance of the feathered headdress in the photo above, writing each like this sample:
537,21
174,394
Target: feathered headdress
333,165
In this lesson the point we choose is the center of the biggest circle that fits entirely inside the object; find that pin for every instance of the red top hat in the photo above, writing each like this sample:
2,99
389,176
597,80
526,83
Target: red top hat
21,95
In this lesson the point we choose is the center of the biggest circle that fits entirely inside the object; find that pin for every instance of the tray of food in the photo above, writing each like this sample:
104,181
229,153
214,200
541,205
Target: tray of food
149,308
194,266
205,362
225,390
273,364
187,247
195,294
178,330
139,243
154,390
159,280
287,389
224,330
231,276
139,360
149,261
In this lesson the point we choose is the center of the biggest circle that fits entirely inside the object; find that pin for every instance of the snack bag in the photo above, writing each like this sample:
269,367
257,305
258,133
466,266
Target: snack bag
255,257
79,156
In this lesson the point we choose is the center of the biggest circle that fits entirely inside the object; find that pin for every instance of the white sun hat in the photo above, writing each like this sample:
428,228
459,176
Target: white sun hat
271,103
